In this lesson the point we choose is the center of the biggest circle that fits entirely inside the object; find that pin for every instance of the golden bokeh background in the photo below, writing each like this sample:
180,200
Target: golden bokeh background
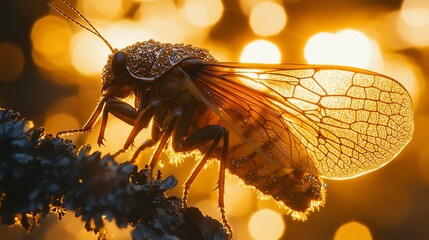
50,72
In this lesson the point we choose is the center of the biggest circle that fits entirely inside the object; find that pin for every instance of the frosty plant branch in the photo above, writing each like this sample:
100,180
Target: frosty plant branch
41,174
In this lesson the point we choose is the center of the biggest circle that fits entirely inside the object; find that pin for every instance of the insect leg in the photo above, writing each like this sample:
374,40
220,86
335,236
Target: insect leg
221,184
156,134
213,133
119,109
171,126
89,124
141,122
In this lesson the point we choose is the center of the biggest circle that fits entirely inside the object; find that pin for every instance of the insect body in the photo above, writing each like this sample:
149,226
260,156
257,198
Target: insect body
280,128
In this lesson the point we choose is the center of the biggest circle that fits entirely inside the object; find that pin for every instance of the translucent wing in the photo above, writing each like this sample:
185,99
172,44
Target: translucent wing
336,122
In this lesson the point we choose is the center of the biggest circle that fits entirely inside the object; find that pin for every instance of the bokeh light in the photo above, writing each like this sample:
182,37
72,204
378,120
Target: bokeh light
11,62
238,197
51,124
407,73
51,36
266,224
89,54
164,9
264,24
247,6
347,48
260,51
413,22
203,13
209,207
155,16
353,231
109,10
383,36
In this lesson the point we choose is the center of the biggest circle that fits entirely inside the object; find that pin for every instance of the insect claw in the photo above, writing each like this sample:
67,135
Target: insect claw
185,199
226,223
118,152
101,142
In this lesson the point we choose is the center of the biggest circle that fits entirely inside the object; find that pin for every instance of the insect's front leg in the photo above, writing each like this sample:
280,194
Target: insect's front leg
89,124
119,109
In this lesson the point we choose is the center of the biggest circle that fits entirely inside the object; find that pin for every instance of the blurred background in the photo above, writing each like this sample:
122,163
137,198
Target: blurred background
50,72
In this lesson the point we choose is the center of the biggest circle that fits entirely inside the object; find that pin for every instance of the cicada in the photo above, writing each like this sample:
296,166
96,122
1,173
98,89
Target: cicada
281,128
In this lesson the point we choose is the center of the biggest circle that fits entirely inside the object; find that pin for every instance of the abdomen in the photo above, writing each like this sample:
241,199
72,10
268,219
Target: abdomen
297,191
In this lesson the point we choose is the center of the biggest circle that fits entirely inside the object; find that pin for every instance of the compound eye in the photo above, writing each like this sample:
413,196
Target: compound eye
119,63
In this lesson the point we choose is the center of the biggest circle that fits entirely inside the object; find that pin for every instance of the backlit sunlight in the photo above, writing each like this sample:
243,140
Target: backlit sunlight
260,51
50,71
346,48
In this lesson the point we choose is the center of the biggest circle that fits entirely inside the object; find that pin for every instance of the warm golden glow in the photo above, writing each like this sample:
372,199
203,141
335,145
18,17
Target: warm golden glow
423,161
416,17
266,224
260,51
116,134
238,197
108,10
348,121
165,9
51,37
209,207
345,48
11,62
267,18
89,54
353,231
51,124
408,74
203,13
155,16
247,5
415,12
413,22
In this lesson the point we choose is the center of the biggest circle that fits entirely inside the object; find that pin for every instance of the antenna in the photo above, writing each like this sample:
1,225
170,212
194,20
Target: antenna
92,30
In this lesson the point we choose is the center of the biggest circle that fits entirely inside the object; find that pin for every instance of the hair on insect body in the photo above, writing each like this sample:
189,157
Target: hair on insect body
292,126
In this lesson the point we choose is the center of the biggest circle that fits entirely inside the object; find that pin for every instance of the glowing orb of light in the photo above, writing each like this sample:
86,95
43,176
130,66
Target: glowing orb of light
50,38
260,51
348,47
353,231
413,22
266,224
267,18
89,54
111,10
203,13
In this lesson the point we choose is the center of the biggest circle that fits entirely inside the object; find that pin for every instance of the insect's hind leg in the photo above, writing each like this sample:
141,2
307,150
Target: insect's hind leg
214,133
